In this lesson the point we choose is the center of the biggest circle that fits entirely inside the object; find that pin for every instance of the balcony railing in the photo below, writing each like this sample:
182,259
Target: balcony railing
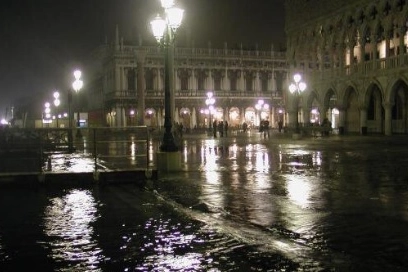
206,52
368,68
129,95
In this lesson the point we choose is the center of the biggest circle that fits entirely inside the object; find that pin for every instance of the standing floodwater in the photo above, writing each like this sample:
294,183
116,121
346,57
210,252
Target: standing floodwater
241,203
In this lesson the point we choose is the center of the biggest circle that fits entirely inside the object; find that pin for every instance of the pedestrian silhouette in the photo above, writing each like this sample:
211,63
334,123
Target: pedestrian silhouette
280,125
215,128
244,127
221,128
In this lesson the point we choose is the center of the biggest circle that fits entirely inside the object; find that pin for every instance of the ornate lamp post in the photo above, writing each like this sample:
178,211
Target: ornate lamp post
57,102
210,101
296,88
261,106
76,86
164,31
47,113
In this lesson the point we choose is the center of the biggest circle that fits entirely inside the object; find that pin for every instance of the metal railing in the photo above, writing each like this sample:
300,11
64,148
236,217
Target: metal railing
34,149
117,148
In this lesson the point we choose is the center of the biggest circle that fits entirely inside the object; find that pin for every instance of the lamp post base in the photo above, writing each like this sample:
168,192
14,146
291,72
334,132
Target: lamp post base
168,161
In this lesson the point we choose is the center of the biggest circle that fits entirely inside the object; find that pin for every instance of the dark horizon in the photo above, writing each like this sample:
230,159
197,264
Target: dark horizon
44,41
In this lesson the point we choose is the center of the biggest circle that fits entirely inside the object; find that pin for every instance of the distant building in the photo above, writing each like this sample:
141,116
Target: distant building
126,85
353,56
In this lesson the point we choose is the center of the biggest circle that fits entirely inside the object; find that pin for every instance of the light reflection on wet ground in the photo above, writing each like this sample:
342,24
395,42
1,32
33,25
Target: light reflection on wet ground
331,202
240,204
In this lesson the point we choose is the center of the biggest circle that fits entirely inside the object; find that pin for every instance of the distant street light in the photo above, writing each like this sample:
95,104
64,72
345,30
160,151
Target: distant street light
164,32
261,106
47,113
77,86
57,102
296,88
210,101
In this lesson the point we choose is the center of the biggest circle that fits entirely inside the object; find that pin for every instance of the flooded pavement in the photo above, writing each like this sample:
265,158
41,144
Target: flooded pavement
338,203
241,203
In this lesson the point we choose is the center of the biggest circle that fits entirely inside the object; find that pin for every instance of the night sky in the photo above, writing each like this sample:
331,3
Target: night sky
43,41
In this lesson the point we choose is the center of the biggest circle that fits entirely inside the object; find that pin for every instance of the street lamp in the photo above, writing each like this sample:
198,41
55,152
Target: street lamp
132,116
296,88
57,102
164,32
210,101
261,106
76,86
47,113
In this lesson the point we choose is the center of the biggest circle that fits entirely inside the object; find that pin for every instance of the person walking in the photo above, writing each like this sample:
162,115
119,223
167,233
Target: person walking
221,128
244,127
280,125
215,128
226,128
265,128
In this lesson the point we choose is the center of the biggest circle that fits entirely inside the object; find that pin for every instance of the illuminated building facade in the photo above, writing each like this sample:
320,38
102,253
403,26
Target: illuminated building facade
353,56
126,80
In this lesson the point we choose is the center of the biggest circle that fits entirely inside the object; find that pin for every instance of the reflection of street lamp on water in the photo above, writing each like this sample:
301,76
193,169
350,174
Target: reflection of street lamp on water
164,32
296,88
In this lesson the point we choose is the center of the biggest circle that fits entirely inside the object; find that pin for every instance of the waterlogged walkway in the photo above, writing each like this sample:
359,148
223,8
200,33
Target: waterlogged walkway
240,203
336,203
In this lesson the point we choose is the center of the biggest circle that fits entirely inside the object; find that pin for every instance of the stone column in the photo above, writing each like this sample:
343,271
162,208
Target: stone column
292,118
362,50
374,47
388,119
123,114
210,79
241,81
387,46
402,31
141,86
342,119
117,78
363,121
351,51
306,116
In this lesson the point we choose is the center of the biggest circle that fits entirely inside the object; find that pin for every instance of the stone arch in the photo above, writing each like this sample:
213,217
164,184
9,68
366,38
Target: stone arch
313,97
398,101
312,112
150,117
328,101
249,116
185,118
373,104
391,87
330,108
234,117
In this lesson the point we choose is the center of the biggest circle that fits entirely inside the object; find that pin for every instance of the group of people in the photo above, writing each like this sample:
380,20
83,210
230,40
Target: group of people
221,127
264,128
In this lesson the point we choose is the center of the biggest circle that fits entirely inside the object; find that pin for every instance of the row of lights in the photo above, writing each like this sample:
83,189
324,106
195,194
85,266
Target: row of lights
77,86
